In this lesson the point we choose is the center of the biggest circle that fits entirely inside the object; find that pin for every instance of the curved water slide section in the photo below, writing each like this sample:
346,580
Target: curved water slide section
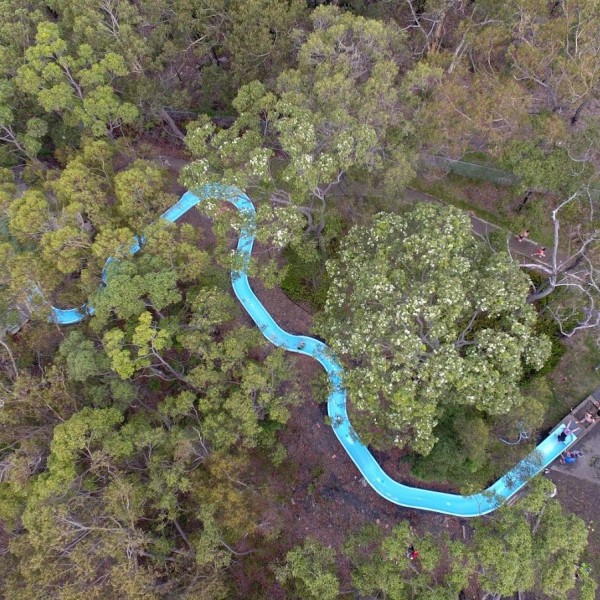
452,504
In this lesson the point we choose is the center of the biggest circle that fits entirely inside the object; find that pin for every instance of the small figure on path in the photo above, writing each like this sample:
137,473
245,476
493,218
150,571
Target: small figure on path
588,418
412,553
597,405
301,345
541,252
523,235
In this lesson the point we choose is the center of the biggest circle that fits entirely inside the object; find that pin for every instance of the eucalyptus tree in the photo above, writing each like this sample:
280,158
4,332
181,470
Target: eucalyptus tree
425,318
124,466
22,126
568,278
531,546
75,83
338,112
382,568
309,571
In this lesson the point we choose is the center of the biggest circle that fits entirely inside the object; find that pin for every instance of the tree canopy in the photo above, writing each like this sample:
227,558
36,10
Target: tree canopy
339,110
148,452
427,318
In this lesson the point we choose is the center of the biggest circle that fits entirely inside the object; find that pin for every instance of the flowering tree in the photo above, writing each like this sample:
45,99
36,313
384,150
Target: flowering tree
340,110
426,318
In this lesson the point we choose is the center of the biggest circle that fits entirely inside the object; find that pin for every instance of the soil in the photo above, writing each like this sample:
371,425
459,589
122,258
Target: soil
324,495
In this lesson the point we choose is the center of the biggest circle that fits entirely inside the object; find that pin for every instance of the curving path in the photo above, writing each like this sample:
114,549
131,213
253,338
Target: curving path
452,504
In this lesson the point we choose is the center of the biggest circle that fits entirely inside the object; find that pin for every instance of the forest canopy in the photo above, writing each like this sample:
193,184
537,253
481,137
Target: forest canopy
163,448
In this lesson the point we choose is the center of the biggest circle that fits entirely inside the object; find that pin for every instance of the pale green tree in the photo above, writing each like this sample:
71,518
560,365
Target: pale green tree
140,196
531,546
76,83
338,112
21,128
310,571
22,135
261,36
381,565
28,216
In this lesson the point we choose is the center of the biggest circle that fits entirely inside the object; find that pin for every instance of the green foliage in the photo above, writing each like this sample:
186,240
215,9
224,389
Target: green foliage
128,448
461,452
539,170
28,216
310,572
548,326
305,280
83,359
138,194
329,116
129,284
83,431
515,555
520,548
381,564
431,319
75,82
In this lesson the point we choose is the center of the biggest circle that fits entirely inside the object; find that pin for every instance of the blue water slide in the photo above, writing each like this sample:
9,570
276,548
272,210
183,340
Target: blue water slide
452,504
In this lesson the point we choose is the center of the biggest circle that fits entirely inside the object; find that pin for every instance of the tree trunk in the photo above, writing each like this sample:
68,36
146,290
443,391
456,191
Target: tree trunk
172,125
437,38
525,199
577,112
545,291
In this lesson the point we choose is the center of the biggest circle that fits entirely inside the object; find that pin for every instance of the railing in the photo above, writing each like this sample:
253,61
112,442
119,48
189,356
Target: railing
480,172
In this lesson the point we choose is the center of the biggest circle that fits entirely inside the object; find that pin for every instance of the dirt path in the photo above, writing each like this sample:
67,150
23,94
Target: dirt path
483,228
580,497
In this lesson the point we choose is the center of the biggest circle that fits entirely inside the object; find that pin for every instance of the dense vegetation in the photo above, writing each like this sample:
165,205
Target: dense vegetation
141,452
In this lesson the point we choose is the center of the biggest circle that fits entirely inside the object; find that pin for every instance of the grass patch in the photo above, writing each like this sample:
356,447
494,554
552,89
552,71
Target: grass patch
454,190
576,376
478,157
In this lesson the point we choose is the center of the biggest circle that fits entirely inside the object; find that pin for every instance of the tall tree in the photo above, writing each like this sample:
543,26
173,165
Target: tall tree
310,571
427,317
568,281
533,545
76,83
338,112
382,566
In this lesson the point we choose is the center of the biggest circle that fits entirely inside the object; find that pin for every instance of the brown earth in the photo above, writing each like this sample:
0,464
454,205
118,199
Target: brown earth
320,492
317,491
